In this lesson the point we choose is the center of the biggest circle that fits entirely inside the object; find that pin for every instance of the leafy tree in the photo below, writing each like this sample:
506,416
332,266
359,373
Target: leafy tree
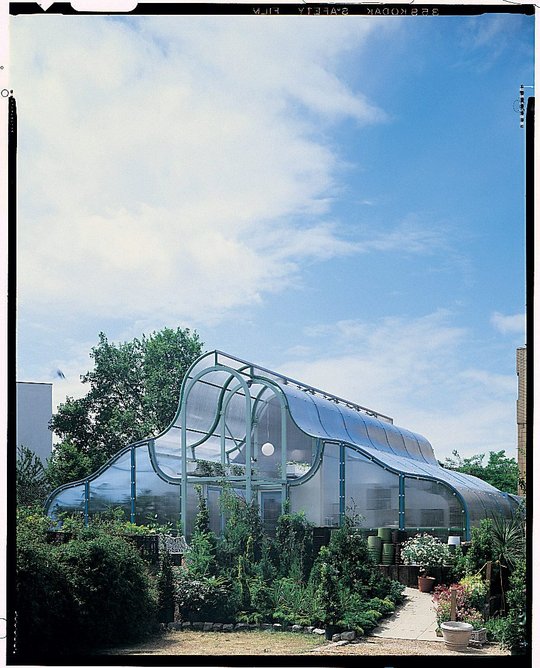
67,464
134,391
32,483
500,471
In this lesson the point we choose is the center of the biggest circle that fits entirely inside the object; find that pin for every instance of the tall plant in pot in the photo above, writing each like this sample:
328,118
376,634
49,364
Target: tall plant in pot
427,552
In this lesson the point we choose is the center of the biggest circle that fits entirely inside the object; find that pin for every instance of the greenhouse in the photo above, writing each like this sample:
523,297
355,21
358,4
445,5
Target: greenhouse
274,440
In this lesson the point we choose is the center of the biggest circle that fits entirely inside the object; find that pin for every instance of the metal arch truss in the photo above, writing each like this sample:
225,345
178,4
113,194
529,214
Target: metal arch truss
250,439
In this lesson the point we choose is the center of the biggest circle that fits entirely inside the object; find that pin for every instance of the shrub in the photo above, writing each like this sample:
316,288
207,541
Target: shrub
514,635
359,614
348,554
294,546
204,598
481,549
465,611
295,603
111,588
327,592
75,597
509,631
44,602
243,533
165,588
476,589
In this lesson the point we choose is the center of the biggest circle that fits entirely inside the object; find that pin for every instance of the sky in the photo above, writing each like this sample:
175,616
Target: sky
338,199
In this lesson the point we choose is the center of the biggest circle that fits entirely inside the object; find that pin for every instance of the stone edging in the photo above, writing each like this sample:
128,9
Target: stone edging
345,636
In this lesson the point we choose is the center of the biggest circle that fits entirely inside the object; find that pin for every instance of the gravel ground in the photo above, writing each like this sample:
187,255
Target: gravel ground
391,646
277,644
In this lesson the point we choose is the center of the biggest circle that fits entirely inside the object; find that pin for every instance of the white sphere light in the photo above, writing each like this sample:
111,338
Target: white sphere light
267,449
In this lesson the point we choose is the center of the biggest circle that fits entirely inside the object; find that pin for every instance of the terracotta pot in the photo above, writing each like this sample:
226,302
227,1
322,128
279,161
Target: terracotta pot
425,583
456,635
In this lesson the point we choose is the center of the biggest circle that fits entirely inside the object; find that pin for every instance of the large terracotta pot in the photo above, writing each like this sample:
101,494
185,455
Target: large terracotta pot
456,635
425,583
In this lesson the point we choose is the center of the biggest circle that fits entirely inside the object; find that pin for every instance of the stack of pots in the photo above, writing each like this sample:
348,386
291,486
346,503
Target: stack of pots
374,548
388,548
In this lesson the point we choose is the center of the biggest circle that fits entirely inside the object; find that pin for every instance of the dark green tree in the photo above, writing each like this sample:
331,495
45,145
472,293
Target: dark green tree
32,483
500,471
67,464
133,393
165,587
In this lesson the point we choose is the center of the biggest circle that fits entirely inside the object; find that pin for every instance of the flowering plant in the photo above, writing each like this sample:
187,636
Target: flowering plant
425,551
475,589
465,610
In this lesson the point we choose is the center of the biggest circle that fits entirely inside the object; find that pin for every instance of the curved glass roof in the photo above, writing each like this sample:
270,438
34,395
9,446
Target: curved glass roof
325,416
221,404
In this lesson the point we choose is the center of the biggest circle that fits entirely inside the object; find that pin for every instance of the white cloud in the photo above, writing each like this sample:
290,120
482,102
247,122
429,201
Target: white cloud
175,165
415,370
509,324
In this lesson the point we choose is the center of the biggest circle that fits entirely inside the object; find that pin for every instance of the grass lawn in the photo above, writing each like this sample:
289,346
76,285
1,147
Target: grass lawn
204,643
195,643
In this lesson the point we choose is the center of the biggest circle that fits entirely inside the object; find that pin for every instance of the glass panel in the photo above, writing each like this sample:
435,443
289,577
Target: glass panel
235,418
170,441
69,500
210,449
156,500
301,448
395,439
507,507
331,419
426,449
377,435
318,497
303,411
112,488
429,504
214,509
475,508
203,403
355,427
371,491
204,362
237,456
267,433
170,464
192,509
270,510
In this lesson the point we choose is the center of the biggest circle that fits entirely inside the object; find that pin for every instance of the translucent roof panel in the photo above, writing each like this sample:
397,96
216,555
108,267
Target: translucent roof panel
325,416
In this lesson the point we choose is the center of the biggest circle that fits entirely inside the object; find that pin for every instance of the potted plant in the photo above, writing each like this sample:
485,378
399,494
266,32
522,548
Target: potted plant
427,552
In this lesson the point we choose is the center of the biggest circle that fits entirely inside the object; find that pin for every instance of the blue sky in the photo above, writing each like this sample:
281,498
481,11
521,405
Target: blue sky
337,199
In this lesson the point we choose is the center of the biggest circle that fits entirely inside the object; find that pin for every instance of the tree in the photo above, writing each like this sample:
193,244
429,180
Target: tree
67,464
500,471
134,392
32,484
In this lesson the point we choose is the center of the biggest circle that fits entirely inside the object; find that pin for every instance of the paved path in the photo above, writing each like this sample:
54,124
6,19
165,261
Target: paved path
414,620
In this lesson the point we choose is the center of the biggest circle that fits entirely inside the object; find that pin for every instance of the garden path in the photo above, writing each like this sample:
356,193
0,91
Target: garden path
414,620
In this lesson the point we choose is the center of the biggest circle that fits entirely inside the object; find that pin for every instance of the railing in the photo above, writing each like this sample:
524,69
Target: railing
149,546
